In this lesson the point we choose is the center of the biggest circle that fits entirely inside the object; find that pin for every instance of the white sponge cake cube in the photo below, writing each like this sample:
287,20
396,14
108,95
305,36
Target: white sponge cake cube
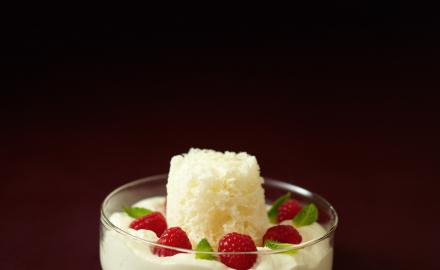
212,193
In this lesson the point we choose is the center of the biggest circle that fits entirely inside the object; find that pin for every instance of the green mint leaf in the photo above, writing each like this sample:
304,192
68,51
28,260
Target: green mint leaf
204,245
277,245
273,211
137,212
306,216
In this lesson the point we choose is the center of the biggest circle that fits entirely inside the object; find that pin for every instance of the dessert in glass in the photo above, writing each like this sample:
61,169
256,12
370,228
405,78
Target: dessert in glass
214,211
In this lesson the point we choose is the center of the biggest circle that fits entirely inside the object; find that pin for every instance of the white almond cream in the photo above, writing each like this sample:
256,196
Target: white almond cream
119,252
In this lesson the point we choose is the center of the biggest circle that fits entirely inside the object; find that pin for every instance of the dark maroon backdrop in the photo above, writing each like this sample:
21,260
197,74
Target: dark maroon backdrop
355,121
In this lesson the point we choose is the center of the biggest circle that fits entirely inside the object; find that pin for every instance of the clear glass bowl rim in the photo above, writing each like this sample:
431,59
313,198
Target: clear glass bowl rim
277,183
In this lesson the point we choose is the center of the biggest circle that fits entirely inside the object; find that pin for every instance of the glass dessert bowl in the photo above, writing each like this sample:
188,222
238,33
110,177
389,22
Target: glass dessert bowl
124,249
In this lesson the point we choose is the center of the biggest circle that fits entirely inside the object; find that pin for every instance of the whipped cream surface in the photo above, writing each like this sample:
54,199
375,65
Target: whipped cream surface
119,252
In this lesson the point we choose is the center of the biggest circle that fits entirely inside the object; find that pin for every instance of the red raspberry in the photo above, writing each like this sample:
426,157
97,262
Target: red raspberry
154,222
283,234
288,210
174,237
235,242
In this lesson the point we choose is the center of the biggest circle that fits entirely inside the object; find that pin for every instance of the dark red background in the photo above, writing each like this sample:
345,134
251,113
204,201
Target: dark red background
348,111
